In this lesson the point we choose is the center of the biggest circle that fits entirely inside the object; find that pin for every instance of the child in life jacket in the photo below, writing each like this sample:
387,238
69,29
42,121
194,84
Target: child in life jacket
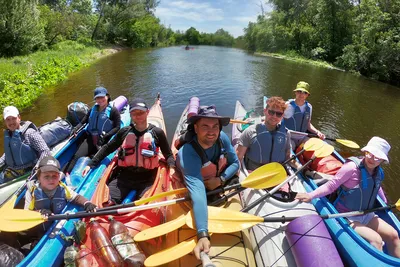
49,195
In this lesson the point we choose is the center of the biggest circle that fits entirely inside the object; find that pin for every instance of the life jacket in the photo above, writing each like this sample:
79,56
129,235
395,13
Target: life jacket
99,121
267,146
56,204
17,152
299,121
130,154
362,196
328,165
209,167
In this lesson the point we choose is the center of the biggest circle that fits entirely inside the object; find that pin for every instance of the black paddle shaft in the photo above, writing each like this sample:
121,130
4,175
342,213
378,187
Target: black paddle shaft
262,198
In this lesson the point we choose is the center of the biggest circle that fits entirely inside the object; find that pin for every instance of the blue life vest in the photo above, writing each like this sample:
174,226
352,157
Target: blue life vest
299,121
267,146
363,196
99,121
56,204
18,153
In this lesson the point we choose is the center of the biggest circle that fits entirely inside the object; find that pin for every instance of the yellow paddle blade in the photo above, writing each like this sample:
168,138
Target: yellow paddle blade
397,204
161,195
16,220
171,254
324,151
222,220
313,144
9,205
161,229
348,143
266,176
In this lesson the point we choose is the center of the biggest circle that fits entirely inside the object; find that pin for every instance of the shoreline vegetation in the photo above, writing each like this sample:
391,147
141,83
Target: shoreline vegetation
301,59
24,78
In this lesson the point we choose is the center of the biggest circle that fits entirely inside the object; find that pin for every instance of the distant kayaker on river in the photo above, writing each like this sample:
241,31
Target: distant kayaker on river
206,162
297,116
139,145
104,120
23,146
360,182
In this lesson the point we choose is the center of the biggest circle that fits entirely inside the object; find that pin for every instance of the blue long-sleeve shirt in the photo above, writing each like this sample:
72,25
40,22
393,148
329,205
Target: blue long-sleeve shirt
190,165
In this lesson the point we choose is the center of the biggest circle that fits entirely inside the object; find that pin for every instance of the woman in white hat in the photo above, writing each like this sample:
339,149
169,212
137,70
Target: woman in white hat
359,182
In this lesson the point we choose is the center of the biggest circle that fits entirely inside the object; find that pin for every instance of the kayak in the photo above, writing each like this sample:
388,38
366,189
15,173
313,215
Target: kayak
354,250
226,249
138,220
268,240
49,251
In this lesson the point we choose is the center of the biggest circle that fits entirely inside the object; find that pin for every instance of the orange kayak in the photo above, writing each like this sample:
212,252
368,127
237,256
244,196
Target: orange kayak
138,220
231,250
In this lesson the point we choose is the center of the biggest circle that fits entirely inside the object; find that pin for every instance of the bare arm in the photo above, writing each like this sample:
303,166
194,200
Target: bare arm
241,151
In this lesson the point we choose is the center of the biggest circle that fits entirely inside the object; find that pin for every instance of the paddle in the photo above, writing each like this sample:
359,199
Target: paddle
324,151
205,260
344,142
311,145
222,220
19,220
241,122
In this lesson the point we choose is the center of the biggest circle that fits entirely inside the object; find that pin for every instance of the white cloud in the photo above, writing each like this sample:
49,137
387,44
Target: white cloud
199,12
245,19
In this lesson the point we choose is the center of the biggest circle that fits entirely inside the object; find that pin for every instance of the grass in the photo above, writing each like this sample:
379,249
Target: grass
290,55
24,78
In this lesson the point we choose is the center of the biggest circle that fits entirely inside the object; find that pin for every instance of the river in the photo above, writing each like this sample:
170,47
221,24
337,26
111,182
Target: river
344,105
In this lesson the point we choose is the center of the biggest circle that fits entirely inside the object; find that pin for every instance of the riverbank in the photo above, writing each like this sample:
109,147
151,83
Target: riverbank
300,59
23,79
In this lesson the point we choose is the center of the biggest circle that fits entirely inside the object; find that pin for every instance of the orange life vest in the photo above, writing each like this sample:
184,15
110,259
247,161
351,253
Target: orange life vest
209,169
130,153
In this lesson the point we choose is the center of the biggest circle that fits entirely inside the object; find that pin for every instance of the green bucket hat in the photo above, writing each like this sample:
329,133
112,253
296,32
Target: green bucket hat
302,86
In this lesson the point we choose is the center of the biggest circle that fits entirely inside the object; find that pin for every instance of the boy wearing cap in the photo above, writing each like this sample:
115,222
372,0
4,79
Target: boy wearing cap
359,181
205,163
297,116
23,146
136,167
48,194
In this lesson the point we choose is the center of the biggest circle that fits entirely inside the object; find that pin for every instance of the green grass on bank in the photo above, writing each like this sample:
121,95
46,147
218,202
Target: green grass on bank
293,56
23,79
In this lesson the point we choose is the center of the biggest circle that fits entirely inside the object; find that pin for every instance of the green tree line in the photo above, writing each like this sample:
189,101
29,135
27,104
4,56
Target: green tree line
31,25
358,35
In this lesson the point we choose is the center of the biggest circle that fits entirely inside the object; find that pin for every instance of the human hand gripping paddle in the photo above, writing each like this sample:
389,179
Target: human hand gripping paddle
344,142
224,221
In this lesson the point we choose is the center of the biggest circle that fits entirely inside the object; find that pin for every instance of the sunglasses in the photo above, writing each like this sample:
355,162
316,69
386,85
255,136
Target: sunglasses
302,92
276,113
371,156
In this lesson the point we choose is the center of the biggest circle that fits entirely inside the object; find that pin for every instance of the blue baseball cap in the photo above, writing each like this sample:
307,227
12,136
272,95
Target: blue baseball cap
99,92
138,104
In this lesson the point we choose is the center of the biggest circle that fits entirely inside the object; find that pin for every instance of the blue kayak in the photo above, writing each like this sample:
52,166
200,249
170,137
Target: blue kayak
49,251
354,250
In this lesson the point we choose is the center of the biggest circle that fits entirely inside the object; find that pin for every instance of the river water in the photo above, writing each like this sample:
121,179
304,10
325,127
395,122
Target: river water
344,105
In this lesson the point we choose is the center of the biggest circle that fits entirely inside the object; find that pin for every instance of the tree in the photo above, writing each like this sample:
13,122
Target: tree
192,36
20,30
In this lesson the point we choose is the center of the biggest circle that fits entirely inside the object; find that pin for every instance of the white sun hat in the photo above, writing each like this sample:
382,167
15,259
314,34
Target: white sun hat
378,147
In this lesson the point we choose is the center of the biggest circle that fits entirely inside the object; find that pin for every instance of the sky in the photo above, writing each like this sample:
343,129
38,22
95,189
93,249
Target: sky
209,15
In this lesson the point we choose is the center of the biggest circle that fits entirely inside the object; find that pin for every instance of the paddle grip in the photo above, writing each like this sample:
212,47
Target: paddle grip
205,260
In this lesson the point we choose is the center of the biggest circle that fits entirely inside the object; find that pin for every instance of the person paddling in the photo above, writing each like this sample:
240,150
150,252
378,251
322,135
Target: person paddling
206,162
23,146
297,116
359,181
136,167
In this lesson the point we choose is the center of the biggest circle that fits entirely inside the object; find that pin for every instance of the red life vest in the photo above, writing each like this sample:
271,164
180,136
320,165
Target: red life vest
130,153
